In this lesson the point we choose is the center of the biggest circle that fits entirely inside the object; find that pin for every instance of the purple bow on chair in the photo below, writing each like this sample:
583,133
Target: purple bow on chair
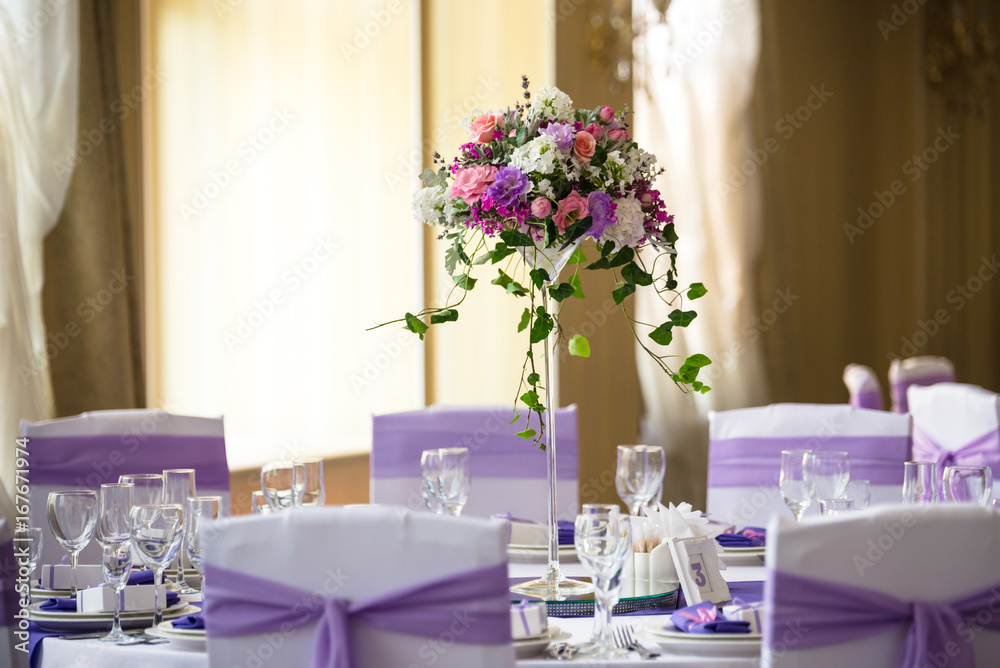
982,451
238,604
836,613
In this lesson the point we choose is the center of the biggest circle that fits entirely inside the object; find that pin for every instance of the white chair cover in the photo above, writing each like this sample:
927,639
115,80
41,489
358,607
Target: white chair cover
863,387
508,472
354,553
931,553
924,370
133,436
745,454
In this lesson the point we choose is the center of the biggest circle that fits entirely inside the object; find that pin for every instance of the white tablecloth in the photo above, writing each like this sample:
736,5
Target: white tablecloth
58,653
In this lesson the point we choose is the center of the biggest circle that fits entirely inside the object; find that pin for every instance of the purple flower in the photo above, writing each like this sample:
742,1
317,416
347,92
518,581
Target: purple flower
602,213
509,186
561,133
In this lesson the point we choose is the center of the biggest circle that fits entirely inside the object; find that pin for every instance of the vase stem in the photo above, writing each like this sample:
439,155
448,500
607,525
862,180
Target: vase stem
551,341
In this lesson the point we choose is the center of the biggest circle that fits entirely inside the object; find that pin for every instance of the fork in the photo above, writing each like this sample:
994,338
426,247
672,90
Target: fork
624,640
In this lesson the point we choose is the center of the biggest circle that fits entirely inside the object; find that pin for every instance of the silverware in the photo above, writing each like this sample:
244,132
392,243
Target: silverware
624,640
99,634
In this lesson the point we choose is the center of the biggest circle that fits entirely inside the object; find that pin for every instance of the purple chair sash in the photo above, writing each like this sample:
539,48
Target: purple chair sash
238,604
871,399
981,451
835,613
494,449
749,462
899,388
89,461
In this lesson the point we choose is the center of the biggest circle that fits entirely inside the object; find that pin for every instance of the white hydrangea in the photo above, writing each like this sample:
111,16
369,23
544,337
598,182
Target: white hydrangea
544,187
614,168
637,161
428,204
628,229
537,155
551,103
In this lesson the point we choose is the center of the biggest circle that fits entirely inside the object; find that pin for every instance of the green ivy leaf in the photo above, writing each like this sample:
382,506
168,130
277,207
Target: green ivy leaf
516,238
525,319
447,315
603,263
578,256
633,273
622,257
515,419
538,277
671,284
681,318
465,281
574,280
607,248
663,334
600,156
533,378
561,291
577,230
621,293
415,325
542,327
697,290
579,346
522,135
509,284
697,360
669,234
501,251
526,434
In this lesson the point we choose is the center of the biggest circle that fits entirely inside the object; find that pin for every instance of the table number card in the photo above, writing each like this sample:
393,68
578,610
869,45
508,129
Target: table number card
697,564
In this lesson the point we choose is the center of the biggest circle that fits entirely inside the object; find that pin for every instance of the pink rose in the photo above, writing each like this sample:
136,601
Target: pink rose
583,147
646,199
481,130
470,183
541,207
595,130
617,135
607,114
572,208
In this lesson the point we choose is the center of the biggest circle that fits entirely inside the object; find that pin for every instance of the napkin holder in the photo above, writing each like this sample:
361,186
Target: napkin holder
746,612
528,619
60,576
102,599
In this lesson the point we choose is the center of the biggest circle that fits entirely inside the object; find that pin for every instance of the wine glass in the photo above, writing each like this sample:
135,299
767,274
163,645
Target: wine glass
113,523
920,482
199,511
968,484
258,503
178,485
860,493
116,564
157,531
831,507
639,474
454,479
148,487
603,540
796,486
276,481
307,481
430,470
73,519
29,544
830,473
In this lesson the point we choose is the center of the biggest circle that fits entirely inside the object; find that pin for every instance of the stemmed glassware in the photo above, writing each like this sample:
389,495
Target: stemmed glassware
73,519
920,482
307,481
453,485
30,541
114,533
968,484
178,485
832,507
603,540
430,470
157,531
198,511
796,487
860,493
830,473
277,482
639,475
259,504
147,487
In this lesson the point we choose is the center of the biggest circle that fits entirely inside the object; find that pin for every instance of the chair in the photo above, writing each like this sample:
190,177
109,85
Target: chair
862,385
347,569
954,423
508,473
88,450
745,445
916,371
870,588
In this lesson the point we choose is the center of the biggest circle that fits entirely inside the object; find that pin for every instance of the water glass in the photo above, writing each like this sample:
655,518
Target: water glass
796,486
639,474
73,520
603,540
147,487
430,470
259,504
453,483
29,546
968,484
277,480
307,481
178,485
920,482
198,512
157,531
830,473
860,493
116,564
113,524
831,507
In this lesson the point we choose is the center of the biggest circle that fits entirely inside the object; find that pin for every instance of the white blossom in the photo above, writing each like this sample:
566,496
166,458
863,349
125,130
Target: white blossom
551,103
429,204
628,229
537,155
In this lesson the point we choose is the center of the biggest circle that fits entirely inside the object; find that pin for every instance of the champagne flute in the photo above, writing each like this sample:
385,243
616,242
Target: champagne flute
830,473
920,482
307,481
603,540
968,484
430,470
178,485
73,519
639,474
277,483
113,524
157,531
454,485
148,487
796,486
199,511
29,543
116,564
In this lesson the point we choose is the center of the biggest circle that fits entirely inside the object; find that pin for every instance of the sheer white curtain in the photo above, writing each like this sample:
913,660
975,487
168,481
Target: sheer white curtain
39,74
694,79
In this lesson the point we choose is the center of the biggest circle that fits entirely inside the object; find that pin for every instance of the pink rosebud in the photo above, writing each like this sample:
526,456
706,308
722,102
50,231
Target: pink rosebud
617,135
583,146
471,182
596,130
571,209
541,207
607,114
646,198
482,129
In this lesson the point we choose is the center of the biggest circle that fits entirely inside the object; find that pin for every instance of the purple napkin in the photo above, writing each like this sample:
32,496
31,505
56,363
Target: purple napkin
190,623
748,537
706,618
69,604
566,531
141,578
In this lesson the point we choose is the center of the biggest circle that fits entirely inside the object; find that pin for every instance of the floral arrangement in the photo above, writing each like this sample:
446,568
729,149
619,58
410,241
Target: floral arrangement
534,183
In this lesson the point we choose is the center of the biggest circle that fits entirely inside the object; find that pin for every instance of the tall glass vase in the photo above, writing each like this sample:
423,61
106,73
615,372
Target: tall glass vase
553,585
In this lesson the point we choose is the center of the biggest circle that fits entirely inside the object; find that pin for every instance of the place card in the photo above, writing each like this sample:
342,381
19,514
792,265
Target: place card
60,576
697,562
102,599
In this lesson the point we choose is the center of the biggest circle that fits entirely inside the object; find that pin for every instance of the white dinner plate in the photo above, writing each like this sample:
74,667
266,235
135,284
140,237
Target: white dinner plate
667,636
525,648
189,639
74,622
533,554
743,556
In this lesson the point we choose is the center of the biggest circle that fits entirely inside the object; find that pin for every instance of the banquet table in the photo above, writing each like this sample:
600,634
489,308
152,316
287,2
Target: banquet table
57,653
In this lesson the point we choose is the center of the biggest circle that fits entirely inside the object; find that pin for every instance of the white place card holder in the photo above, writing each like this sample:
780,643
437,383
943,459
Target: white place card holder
697,563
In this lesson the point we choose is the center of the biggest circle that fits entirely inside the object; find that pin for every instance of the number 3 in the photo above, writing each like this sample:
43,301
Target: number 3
699,575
